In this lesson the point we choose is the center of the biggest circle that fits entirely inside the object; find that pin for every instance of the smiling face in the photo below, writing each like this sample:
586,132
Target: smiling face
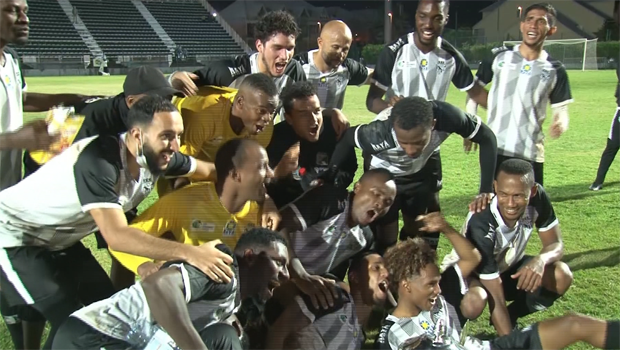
14,22
421,291
334,45
536,27
430,19
275,53
513,196
160,140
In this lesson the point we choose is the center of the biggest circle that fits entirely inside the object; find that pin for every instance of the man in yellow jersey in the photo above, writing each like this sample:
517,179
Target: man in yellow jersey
218,114
207,211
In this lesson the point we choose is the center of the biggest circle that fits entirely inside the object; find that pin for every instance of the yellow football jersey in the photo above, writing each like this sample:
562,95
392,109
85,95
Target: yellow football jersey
206,122
193,215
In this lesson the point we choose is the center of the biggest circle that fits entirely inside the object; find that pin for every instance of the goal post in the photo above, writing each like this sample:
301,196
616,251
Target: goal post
573,53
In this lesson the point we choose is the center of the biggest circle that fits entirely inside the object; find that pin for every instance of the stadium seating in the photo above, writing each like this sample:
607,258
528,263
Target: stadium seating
192,27
119,28
51,32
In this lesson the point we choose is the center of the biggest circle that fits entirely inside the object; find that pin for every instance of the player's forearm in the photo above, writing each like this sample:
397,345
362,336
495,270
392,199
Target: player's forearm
36,102
204,171
376,105
169,309
136,242
469,256
552,253
344,149
8,141
478,94
488,157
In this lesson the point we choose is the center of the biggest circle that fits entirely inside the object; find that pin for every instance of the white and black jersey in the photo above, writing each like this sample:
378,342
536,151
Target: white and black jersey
337,327
501,246
379,140
331,86
11,115
128,311
404,70
50,207
420,332
518,99
325,240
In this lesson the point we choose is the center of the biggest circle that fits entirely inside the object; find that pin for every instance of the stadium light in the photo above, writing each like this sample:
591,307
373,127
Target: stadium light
520,10
390,15
319,24
214,14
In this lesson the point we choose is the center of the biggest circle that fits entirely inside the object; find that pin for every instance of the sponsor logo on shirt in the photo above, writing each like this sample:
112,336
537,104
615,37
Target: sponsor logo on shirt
198,225
545,74
229,228
441,66
380,146
526,69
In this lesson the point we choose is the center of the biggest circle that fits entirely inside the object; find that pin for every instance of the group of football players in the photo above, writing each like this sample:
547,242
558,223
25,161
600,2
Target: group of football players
259,222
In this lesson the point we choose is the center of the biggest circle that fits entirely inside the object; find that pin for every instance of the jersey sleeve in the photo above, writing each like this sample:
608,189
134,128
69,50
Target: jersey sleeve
357,71
218,73
181,165
374,137
479,235
463,78
295,71
382,76
561,94
546,219
158,220
96,173
198,286
319,204
485,72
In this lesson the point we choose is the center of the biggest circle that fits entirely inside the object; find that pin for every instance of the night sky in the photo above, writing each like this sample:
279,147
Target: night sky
468,11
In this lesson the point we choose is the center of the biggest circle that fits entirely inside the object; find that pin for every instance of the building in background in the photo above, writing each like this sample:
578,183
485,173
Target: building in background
576,19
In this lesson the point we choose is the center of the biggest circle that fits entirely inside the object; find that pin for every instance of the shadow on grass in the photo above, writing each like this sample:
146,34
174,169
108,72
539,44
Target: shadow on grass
607,257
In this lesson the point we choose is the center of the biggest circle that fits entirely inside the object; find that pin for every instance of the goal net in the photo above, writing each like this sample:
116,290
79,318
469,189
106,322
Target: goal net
573,53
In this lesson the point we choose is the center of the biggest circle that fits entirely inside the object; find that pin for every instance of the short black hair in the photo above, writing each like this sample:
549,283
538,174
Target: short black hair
275,22
258,237
358,261
447,2
300,89
231,155
411,112
259,82
547,7
377,172
518,167
142,112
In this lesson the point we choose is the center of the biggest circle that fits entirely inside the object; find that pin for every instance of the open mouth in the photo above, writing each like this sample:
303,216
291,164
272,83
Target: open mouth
532,35
432,300
280,66
512,211
259,128
371,215
314,130
167,156
383,286
272,286
428,34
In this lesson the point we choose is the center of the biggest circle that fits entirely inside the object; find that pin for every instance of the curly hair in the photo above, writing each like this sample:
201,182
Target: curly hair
274,23
406,259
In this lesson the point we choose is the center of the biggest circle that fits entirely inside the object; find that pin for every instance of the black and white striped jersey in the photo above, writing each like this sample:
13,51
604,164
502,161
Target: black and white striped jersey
331,86
518,98
404,70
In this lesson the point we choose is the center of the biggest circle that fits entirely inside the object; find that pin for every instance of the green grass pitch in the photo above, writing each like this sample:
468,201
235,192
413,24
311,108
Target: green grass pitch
589,220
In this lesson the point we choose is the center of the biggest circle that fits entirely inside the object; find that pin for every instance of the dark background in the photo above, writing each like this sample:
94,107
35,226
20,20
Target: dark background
468,11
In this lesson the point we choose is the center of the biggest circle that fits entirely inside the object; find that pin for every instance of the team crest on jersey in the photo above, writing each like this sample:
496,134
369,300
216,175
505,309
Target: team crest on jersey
426,326
424,64
7,81
526,69
441,66
198,225
323,82
229,228
545,74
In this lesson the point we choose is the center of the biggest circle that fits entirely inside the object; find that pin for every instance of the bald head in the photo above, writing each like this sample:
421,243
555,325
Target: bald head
334,43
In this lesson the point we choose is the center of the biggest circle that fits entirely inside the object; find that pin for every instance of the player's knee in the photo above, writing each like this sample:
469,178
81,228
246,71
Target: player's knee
473,303
563,277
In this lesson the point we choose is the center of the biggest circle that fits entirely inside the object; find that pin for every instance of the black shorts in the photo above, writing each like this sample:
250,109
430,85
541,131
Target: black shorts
417,194
44,279
101,243
509,284
527,338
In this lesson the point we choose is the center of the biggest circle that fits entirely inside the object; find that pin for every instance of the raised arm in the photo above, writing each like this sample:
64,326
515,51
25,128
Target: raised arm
38,102
164,292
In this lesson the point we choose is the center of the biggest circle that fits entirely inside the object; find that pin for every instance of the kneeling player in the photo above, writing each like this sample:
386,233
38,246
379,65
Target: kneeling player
423,319
303,326
179,306
501,233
